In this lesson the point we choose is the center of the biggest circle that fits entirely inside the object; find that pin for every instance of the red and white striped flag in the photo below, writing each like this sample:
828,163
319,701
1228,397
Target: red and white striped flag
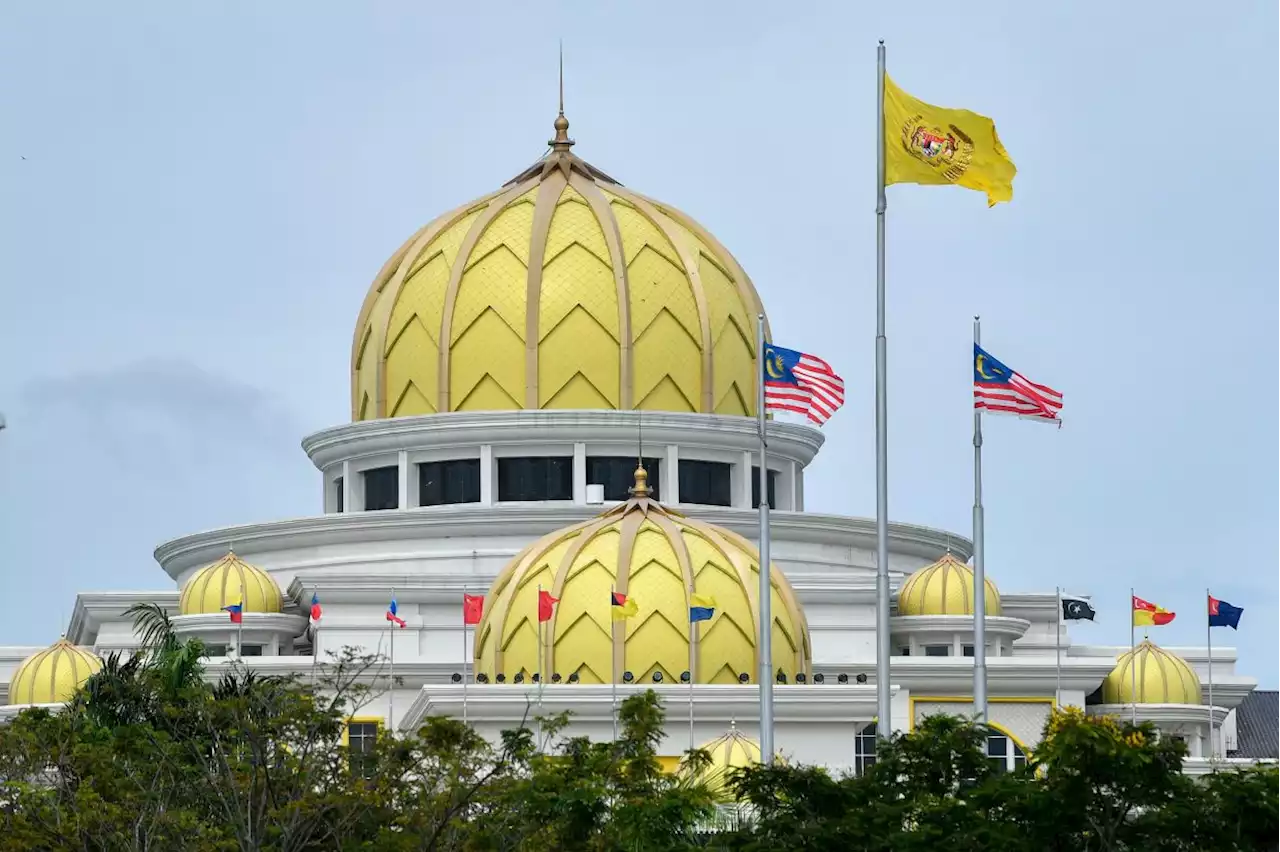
795,381
999,390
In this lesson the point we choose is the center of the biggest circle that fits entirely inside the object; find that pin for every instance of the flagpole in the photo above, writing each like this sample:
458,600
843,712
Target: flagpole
694,631
764,647
883,708
240,627
466,663
1057,643
391,694
1208,632
979,563
1133,664
613,663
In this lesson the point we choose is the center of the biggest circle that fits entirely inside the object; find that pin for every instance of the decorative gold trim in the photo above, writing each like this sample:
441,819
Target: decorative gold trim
544,210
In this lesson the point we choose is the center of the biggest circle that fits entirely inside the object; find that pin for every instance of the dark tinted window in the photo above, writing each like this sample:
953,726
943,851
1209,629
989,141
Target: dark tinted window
705,482
361,737
618,473
937,650
456,481
968,650
543,478
755,487
382,488
215,650
251,651
338,484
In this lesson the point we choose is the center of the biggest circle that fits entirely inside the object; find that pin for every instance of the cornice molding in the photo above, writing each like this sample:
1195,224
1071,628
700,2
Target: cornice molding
279,623
93,609
997,625
1166,713
472,428
594,703
532,521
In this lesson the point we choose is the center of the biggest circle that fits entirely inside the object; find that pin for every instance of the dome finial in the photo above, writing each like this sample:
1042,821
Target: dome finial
562,142
641,488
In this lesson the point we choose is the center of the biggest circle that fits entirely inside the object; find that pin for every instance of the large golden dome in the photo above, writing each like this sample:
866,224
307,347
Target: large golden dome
658,558
944,588
1162,678
562,289
53,675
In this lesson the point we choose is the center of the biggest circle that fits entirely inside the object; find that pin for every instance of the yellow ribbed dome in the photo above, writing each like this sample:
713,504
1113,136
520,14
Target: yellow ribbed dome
53,675
1163,678
656,557
732,751
563,289
228,581
944,588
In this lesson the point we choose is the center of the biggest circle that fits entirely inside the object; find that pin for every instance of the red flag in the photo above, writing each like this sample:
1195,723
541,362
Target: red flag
545,604
472,608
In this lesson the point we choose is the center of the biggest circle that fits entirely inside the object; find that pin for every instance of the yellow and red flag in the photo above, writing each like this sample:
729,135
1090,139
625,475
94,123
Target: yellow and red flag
1149,614
930,144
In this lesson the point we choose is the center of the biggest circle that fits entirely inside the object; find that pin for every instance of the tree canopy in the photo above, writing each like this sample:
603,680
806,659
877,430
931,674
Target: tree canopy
151,755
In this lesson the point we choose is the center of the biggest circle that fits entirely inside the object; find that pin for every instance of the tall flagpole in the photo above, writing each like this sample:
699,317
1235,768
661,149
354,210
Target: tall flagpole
613,662
466,663
694,632
391,694
979,567
1208,632
764,646
1057,647
240,627
1133,664
883,709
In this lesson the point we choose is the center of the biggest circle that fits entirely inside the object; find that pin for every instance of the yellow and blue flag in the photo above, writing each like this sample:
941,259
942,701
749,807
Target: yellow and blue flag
702,608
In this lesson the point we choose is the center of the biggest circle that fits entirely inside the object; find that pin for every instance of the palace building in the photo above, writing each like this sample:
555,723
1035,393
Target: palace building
553,389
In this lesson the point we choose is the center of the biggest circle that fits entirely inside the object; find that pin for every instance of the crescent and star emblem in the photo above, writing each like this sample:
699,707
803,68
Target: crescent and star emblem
773,365
983,373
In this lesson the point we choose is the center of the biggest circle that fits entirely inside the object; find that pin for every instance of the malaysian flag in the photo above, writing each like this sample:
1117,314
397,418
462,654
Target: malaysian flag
795,381
999,390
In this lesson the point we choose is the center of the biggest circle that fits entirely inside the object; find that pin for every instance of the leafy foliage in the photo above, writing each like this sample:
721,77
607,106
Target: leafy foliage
153,755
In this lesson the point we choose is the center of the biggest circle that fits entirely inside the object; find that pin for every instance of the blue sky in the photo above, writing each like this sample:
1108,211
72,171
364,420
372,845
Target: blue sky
196,197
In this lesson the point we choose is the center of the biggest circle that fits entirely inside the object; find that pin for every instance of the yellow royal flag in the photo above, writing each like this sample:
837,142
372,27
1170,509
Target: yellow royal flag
929,144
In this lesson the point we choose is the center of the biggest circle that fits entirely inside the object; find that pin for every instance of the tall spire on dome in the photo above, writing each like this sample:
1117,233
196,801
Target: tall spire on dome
561,142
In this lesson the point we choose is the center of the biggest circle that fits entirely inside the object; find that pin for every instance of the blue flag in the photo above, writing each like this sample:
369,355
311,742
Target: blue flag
702,608
1223,614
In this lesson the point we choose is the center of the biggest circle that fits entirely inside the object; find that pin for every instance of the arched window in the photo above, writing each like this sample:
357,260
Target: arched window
1005,754
864,749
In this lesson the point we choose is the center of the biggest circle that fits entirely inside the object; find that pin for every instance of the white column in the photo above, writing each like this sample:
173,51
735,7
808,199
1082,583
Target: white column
580,474
402,477
348,488
488,476
670,483
743,500
793,470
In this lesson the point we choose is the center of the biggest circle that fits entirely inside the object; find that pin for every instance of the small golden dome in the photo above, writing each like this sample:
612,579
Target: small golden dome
53,675
658,558
733,750
563,289
228,581
944,588
1163,678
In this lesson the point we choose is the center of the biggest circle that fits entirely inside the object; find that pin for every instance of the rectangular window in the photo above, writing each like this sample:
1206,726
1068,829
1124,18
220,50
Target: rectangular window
755,487
705,482
215,650
337,484
444,482
538,478
381,488
937,650
361,737
618,473
968,650
251,651
906,650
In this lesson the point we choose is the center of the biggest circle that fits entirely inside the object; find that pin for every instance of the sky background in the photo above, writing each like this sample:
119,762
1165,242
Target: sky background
194,199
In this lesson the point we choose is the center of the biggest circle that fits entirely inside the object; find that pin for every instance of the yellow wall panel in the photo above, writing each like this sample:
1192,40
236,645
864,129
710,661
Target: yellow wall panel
576,277
489,348
578,365
669,375
412,401
637,232
366,372
734,369
658,286
574,222
446,243
412,361
496,284
422,296
729,638
513,228
583,623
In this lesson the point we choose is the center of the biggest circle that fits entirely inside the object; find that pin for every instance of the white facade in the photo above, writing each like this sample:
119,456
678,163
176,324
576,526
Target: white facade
431,555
